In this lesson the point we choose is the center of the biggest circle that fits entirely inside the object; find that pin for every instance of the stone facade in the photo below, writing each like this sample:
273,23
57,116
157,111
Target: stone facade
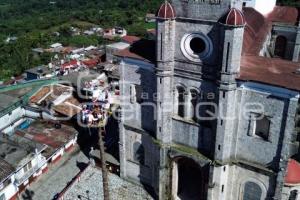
242,153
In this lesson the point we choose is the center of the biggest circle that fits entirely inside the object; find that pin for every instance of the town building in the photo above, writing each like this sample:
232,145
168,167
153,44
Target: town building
111,49
22,162
150,18
31,135
39,72
209,109
114,32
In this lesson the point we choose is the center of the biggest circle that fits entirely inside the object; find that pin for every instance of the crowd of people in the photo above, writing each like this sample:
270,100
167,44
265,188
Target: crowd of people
97,111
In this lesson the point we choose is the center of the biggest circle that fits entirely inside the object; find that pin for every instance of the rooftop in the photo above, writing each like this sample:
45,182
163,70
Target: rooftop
143,50
44,132
292,177
40,70
60,96
285,14
130,39
17,151
5,170
7,100
91,180
271,71
118,45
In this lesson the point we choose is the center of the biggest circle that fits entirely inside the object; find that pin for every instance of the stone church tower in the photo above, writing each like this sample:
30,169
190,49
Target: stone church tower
219,129
199,49
198,58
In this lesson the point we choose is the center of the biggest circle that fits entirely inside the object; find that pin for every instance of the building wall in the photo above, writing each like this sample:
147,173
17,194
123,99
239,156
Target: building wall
288,190
139,114
276,108
10,190
138,124
207,9
6,120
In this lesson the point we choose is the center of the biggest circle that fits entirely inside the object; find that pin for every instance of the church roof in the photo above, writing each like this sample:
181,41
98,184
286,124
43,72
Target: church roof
271,71
143,50
285,14
235,17
166,11
256,30
293,173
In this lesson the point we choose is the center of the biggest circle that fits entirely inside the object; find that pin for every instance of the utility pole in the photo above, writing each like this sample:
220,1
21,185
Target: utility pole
101,128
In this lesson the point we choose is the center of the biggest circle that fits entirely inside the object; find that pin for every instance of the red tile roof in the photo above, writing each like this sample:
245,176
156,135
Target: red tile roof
166,11
256,30
70,64
142,50
293,173
284,14
258,26
271,71
90,62
130,39
235,17
45,133
69,107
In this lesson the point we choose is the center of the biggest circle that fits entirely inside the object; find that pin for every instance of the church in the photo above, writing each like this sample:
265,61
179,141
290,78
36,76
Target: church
210,109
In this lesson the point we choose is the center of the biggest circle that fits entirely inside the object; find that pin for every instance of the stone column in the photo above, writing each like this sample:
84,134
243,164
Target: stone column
297,46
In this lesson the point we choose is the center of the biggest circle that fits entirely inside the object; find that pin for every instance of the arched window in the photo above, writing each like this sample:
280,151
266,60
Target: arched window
280,46
193,104
252,191
293,195
180,101
139,153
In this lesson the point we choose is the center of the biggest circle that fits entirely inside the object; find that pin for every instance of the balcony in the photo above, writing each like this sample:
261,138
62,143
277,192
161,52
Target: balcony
21,179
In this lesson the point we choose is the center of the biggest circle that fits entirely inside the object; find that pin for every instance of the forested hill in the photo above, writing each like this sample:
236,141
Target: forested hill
33,22
27,15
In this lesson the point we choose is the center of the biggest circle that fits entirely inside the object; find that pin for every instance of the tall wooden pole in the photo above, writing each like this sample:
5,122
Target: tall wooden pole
103,163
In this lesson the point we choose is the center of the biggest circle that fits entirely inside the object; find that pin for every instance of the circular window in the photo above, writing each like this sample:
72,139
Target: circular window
196,46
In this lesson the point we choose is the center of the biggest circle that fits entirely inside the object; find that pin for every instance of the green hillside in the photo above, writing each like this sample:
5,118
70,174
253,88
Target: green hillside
34,21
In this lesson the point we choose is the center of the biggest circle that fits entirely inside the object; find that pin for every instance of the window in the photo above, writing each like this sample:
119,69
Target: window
180,101
197,45
136,94
280,46
293,195
27,167
252,191
194,99
139,93
138,153
132,94
262,127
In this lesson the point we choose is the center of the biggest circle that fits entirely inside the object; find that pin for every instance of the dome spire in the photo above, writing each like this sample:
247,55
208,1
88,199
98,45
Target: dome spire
166,11
235,17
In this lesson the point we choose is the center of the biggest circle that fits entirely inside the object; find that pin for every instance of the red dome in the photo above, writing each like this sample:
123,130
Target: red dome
235,17
293,173
166,11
